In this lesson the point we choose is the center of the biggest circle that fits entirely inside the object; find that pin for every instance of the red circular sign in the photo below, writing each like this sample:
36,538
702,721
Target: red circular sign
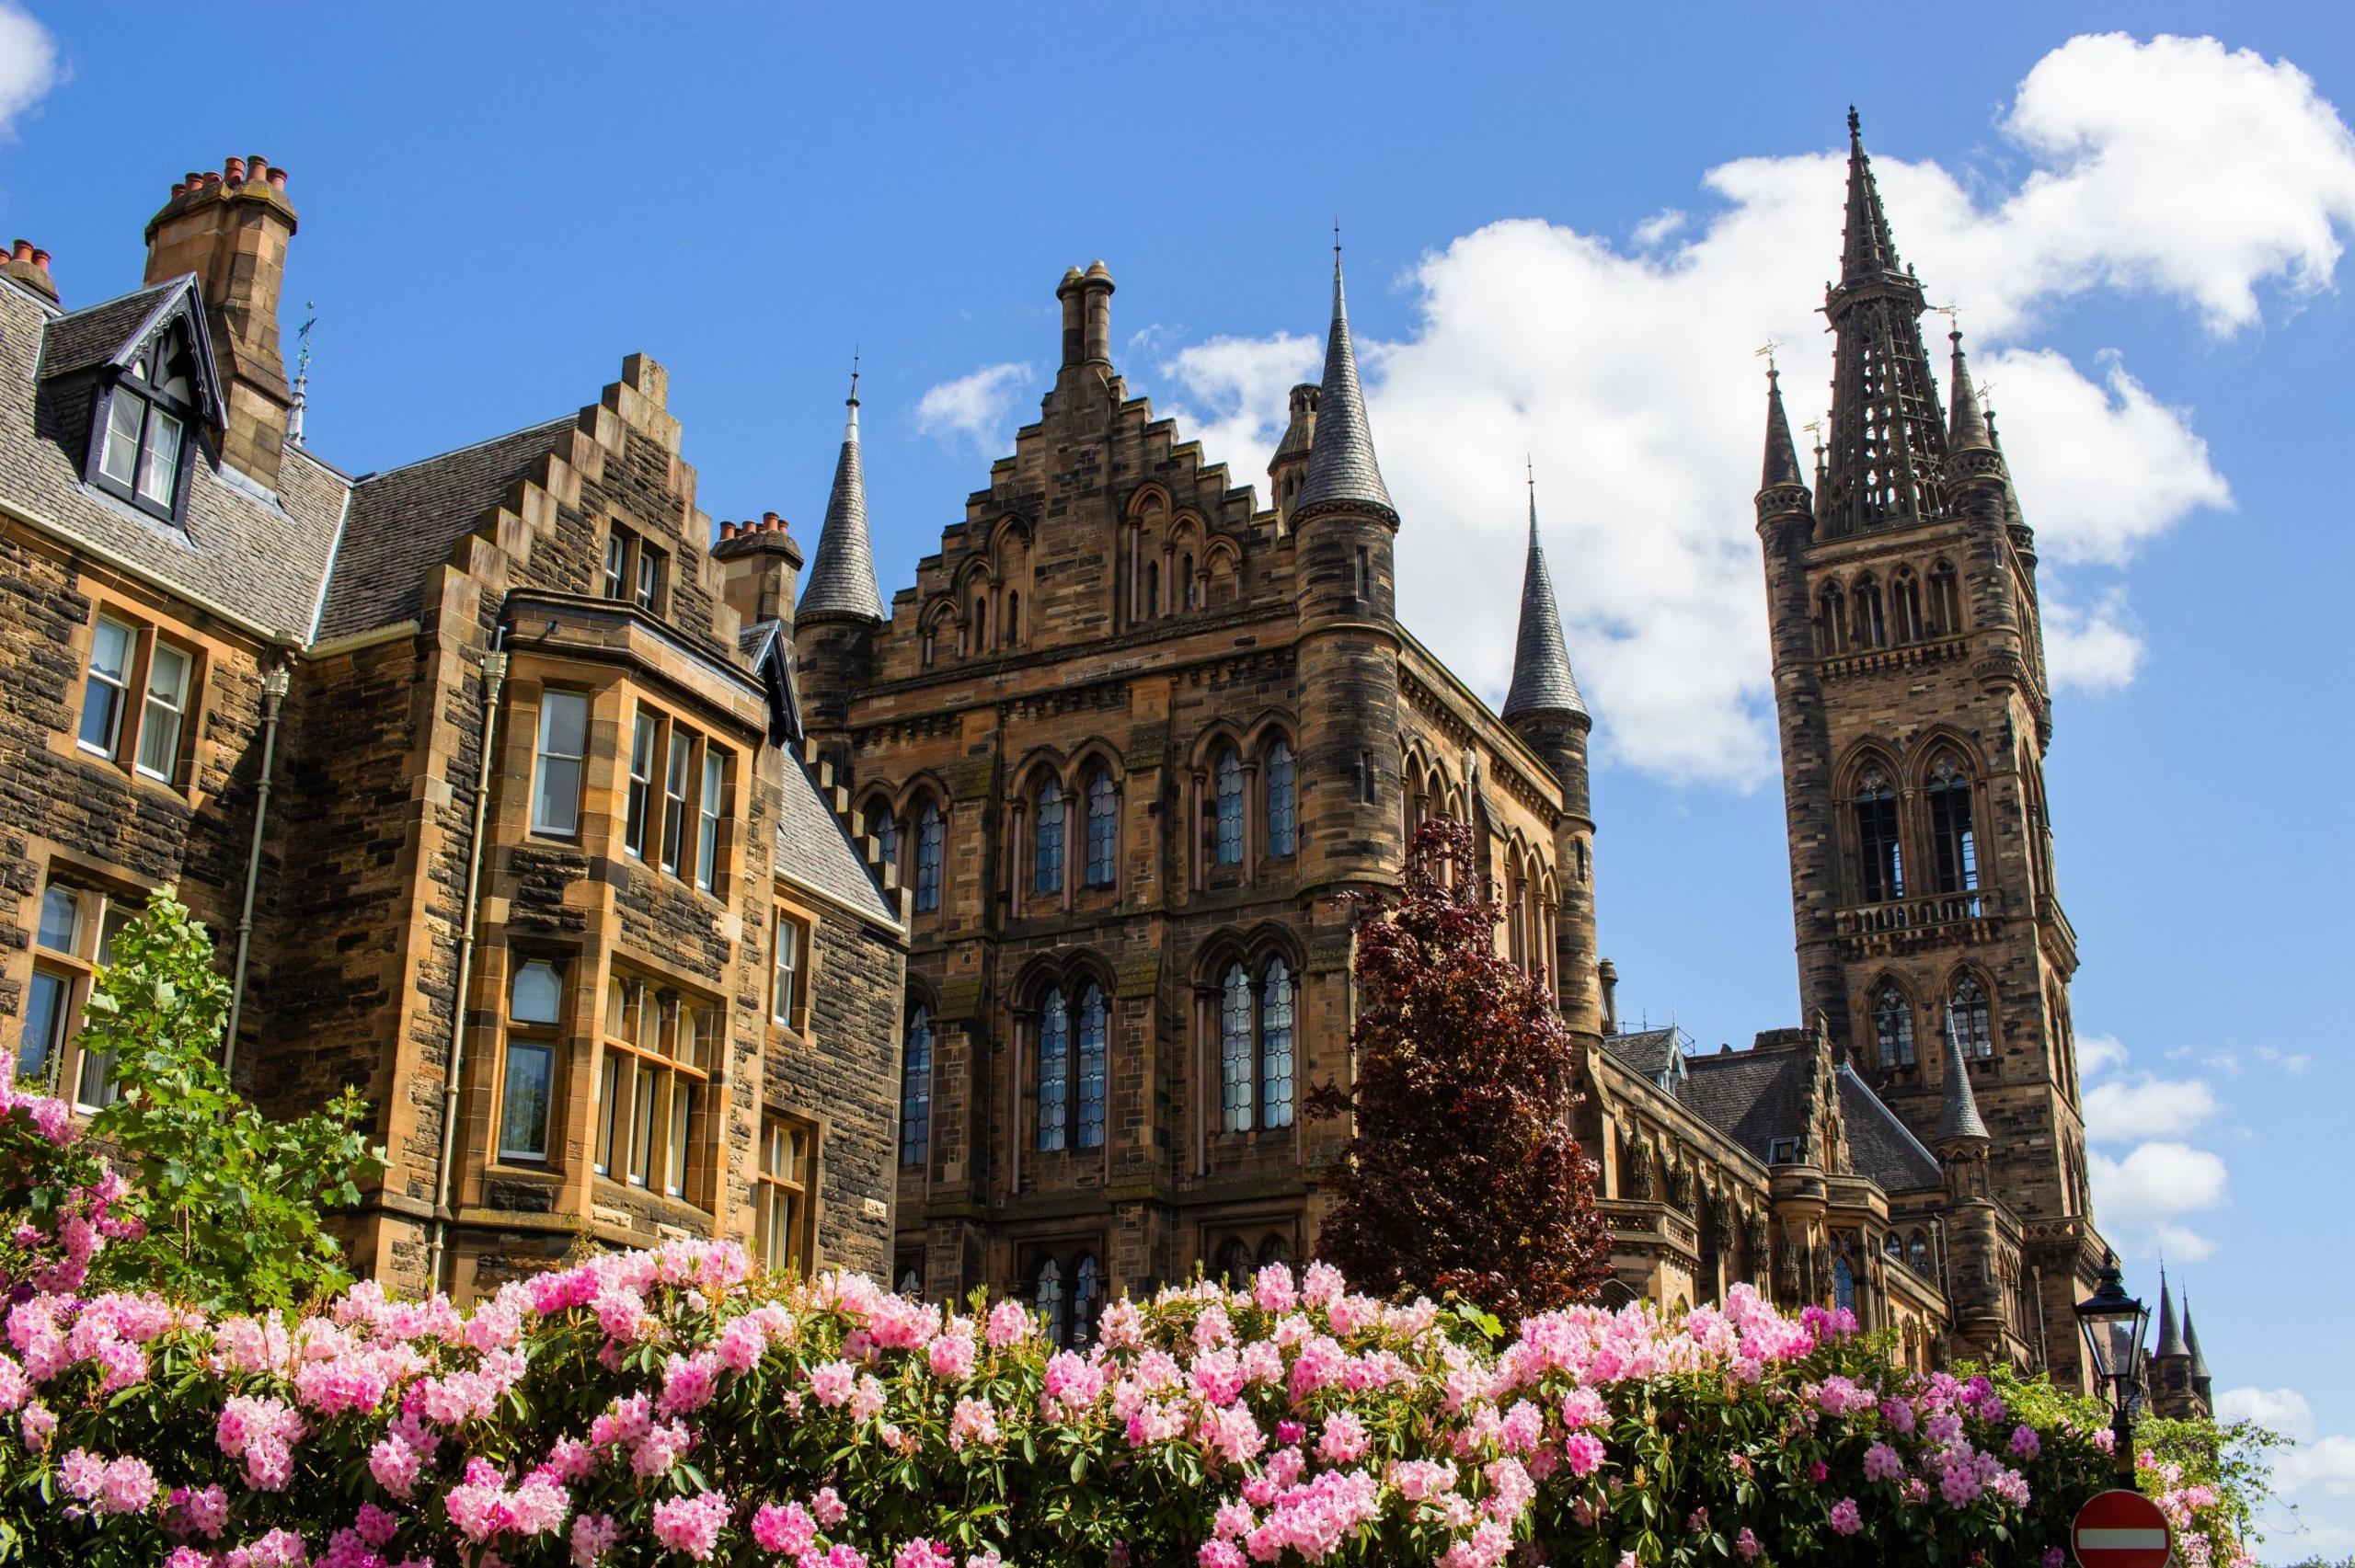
2121,1530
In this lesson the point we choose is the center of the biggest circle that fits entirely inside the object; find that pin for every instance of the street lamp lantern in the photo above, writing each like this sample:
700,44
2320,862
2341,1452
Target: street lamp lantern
2114,1324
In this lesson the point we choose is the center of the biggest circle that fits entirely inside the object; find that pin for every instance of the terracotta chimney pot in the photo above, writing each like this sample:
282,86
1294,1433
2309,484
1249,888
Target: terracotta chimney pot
22,251
277,179
256,167
41,260
234,170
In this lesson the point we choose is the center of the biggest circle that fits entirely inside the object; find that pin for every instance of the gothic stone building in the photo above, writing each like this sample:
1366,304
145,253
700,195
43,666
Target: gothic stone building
483,771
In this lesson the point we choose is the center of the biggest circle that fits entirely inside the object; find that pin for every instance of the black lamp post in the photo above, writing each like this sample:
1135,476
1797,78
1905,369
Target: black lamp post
2114,1323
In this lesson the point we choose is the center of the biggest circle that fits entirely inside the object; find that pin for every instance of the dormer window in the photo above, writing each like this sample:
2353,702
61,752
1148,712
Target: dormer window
142,447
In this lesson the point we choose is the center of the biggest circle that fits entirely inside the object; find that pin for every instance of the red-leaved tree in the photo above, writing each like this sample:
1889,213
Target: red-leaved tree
1462,1174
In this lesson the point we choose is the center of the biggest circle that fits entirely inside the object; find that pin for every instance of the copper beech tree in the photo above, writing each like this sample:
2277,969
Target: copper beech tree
1462,1174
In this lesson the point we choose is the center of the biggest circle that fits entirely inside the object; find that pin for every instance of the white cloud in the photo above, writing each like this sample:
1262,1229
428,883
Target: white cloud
2097,1053
28,65
2179,1243
2121,1110
973,407
2327,1464
2156,1183
2279,1410
2294,1064
2172,170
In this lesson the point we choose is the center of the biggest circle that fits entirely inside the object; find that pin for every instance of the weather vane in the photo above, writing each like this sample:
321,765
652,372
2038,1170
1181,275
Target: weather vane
302,375
1772,347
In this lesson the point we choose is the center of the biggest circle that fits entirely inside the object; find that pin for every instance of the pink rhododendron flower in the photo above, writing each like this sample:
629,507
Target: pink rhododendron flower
1845,1518
691,1525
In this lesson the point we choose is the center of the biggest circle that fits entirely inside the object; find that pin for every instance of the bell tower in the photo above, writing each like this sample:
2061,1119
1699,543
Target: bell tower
1913,717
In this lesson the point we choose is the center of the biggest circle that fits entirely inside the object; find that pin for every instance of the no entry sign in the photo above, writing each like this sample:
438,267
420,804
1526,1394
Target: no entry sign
2120,1529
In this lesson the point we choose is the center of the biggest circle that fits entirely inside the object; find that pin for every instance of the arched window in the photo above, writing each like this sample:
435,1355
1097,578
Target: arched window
1103,828
1871,626
929,833
1153,590
1894,1027
915,1091
1227,847
1047,838
887,838
1844,1284
1054,1071
1905,605
1946,601
1275,1046
1185,588
1273,1251
1086,1294
1088,1132
1013,618
1881,858
1832,619
1891,1245
1953,844
1283,832
1234,1266
1967,1015
1047,1297
927,647
980,627
1235,1052
1917,1254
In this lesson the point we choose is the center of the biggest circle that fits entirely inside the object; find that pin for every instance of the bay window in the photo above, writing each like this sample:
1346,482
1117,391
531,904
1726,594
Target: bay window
527,1090
659,1048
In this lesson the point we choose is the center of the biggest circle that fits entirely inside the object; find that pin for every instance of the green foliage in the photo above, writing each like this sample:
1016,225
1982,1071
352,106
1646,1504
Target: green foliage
231,1201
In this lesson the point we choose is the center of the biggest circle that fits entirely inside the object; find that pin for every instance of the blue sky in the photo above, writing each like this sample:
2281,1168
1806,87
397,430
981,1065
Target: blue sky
1567,231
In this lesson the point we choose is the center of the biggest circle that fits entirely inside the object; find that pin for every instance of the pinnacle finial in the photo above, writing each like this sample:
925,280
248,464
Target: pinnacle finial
852,398
1968,427
1341,466
1542,681
1530,462
1855,126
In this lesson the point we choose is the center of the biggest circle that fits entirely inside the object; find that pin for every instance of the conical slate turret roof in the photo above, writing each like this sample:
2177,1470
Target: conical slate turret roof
1958,1106
1542,681
1782,465
1968,427
2170,1330
2191,1342
1340,464
1867,249
842,578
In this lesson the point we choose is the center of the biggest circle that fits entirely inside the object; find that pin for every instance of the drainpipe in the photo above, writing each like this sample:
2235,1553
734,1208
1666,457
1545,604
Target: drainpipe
494,670
274,682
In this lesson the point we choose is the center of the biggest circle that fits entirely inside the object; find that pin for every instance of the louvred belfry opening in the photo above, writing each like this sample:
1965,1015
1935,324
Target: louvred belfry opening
1888,434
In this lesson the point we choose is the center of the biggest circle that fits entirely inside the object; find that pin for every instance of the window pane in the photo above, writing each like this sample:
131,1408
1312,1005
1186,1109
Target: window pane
1275,1047
536,993
648,571
1229,848
47,1005
1054,1071
641,784
564,733
523,1118
683,1112
61,921
1047,841
609,1112
1103,827
95,1087
929,832
159,727
1093,1022
785,992
915,1091
159,464
1281,820
715,774
102,694
616,554
1235,1052
119,459
642,1111
675,802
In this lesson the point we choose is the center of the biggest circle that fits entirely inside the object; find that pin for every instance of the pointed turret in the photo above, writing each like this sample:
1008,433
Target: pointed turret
1958,1106
1782,466
1289,468
2200,1381
2170,1330
1541,662
1341,468
1888,439
841,580
1968,426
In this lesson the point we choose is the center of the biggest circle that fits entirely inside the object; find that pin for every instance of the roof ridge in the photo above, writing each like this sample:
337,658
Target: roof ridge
375,473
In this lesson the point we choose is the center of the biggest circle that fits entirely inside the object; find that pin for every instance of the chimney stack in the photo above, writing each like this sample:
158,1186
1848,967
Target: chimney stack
31,268
760,569
231,229
1088,316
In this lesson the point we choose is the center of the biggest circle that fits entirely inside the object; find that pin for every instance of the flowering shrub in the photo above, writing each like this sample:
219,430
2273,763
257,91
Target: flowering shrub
666,1407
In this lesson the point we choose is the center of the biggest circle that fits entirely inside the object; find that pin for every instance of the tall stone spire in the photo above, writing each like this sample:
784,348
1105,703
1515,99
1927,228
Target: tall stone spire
1782,467
842,579
2170,1330
1889,441
1340,464
2199,1377
1541,663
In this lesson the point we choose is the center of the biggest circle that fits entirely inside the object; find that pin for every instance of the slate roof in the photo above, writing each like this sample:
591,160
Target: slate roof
1648,1051
1340,463
1880,1144
263,559
813,850
1542,681
1782,465
1753,1096
2170,1330
404,521
841,577
1958,1106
